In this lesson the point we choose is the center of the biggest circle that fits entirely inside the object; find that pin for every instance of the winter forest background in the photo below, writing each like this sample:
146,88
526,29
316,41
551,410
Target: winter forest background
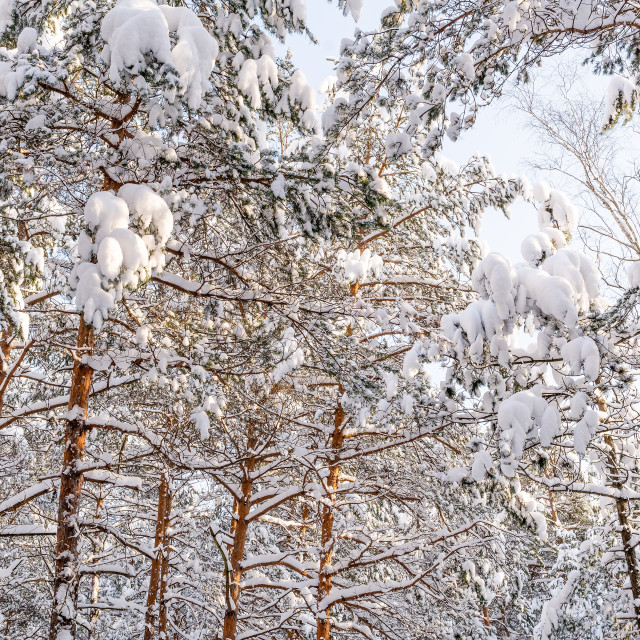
276,362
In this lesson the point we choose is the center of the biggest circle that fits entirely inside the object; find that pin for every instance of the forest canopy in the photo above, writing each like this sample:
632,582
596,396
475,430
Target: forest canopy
260,376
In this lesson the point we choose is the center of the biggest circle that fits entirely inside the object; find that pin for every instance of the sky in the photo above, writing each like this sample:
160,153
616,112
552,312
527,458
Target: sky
499,132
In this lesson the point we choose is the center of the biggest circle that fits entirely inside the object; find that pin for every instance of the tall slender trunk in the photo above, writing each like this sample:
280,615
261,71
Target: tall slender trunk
626,535
66,580
164,575
323,622
6,336
327,541
485,616
156,600
5,353
95,579
239,529
622,511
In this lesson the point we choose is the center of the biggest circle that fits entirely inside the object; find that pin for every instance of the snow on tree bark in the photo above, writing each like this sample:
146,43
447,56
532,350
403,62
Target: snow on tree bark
63,623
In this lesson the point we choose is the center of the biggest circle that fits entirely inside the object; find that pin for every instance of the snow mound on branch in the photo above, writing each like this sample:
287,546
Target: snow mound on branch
113,256
550,616
581,354
469,329
563,286
495,279
105,212
135,29
521,417
411,364
256,75
584,430
292,356
303,94
466,66
548,294
530,509
354,7
194,54
539,246
397,144
6,10
248,83
201,421
27,40
356,266
10,80
578,270
151,217
622,95
482,463
552,295
555,210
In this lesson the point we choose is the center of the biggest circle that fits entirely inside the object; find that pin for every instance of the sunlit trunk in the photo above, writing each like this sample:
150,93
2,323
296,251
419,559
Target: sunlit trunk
239,529
156,614
5,352
626,535
95,579
326,534
66,578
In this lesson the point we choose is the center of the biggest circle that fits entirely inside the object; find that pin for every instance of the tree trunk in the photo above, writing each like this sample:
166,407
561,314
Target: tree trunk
66,578
622,510
5,353
485,616
326,535
164,573
95,579
239,528
156,601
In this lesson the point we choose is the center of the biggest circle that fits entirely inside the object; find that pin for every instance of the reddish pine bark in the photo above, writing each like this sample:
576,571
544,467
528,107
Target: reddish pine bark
156,613
95,579
5,352
239,528
326,534
628,544
66,579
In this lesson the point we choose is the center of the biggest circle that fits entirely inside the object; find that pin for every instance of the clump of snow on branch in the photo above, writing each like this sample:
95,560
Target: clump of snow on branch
136,29
531,510
495,279
538,246
260,76
194,54
292,356
301,94
622,97
26,261
581,354
356,265
550,617
200,416
6,11
124,244
555,209
524,415
549,293
587,420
